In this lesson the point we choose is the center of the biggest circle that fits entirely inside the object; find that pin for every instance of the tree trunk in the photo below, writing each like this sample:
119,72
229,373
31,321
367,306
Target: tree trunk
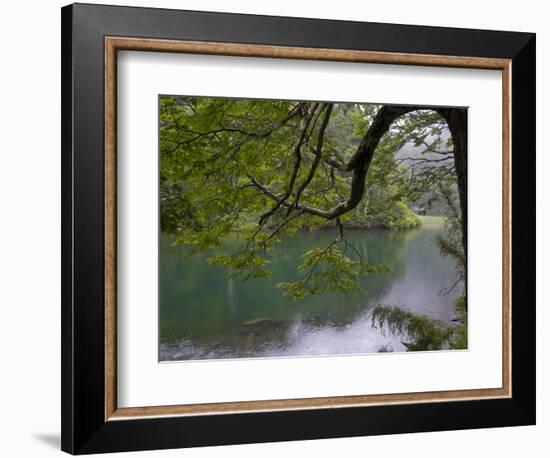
457,121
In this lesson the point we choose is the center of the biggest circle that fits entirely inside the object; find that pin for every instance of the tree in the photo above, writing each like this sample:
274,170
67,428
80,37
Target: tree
264,169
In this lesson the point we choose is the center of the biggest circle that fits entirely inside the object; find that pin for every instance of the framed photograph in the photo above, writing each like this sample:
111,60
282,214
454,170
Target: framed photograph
281,228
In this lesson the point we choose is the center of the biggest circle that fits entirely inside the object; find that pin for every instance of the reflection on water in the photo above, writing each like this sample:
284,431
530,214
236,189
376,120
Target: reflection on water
206,315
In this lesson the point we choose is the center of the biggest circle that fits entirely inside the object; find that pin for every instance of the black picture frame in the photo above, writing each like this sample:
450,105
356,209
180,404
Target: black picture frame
84,428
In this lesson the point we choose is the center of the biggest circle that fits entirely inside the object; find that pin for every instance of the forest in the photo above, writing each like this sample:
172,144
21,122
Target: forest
241,180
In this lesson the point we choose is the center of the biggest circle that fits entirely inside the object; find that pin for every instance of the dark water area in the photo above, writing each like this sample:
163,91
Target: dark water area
206,315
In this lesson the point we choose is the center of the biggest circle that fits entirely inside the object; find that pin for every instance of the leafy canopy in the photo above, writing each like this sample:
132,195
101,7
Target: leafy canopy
265,169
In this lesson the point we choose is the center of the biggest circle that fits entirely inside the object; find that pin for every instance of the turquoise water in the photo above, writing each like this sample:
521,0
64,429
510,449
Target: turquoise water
206,315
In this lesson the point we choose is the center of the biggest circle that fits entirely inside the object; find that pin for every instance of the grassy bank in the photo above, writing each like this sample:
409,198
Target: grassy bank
431,221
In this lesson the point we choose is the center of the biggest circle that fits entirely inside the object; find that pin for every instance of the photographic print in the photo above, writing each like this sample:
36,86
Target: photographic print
307,228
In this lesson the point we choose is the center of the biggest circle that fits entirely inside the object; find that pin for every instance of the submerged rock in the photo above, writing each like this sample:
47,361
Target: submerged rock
260,320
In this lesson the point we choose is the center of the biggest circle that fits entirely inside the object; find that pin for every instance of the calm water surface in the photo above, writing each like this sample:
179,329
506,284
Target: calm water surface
206,315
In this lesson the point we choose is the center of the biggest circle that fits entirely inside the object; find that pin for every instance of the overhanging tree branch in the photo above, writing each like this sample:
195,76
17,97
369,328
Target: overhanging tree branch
317,152
296,168
359,164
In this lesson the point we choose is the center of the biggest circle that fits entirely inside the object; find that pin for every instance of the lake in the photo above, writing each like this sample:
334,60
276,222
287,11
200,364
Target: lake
206,315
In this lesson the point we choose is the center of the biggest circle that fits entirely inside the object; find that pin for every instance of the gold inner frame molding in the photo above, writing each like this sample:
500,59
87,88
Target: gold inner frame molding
114,44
